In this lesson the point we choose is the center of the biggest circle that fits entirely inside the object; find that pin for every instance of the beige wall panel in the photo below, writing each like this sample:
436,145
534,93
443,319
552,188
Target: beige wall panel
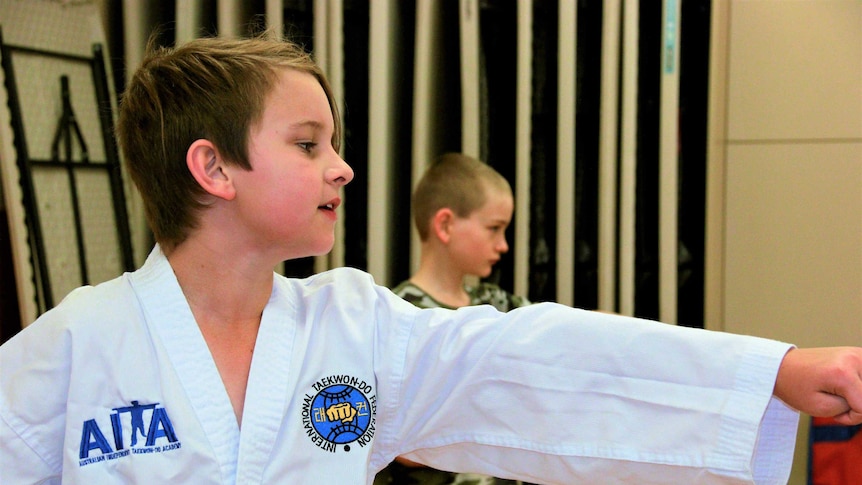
794,69
793,249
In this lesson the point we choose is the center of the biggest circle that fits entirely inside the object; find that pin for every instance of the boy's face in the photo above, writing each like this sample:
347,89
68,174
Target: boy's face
289,197
478,240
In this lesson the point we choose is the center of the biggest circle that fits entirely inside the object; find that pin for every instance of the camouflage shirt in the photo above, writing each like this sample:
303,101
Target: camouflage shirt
481,294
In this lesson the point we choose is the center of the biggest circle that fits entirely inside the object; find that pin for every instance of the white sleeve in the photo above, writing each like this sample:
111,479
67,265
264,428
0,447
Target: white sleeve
775,443
550,394
34,382
32,390
19,463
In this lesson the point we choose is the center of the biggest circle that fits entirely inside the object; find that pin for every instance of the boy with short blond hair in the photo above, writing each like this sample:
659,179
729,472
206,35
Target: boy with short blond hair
205,366
461,208
455,181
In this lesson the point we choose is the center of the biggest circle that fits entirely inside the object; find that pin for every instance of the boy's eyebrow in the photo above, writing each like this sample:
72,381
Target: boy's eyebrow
308,123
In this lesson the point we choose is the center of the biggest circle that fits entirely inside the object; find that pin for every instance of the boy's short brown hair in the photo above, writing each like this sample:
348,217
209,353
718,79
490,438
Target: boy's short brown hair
455,181
210,88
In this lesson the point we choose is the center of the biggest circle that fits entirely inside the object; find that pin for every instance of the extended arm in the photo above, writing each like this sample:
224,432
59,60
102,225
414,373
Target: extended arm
548,394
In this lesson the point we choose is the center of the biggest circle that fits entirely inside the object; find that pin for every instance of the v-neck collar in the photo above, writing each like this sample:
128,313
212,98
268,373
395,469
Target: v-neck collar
168,313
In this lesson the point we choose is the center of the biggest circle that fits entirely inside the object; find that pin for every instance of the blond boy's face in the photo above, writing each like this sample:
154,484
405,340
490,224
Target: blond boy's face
288,199
479,240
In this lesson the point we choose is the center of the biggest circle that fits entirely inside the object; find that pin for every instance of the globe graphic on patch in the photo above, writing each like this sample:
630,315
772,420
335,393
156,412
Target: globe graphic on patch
344,414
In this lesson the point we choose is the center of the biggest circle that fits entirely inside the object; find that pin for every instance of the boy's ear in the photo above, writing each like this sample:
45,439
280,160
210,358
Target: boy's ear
441,224
208,168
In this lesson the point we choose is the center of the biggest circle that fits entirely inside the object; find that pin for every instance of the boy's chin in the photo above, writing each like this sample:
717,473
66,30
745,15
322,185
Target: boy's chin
323,251
324,244
483,274
318,250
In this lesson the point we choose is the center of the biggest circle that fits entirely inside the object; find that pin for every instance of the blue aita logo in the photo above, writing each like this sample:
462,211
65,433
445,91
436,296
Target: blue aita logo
340,413
135,429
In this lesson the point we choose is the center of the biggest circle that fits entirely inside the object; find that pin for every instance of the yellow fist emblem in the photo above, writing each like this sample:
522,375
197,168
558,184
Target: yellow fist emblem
342,411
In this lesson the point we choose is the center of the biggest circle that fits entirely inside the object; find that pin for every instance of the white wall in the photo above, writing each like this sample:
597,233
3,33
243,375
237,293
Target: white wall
785,216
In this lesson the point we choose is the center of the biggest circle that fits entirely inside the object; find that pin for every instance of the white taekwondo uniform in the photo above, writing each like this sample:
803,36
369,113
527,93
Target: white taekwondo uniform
116,385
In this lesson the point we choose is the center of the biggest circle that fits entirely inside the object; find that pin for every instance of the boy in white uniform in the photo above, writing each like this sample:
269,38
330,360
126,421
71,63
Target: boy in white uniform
206,367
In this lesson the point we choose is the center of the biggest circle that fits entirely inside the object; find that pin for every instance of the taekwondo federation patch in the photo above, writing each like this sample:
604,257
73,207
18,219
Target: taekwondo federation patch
339,412
133,430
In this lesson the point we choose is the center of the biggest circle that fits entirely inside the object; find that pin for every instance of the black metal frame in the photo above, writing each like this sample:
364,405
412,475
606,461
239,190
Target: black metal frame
66,128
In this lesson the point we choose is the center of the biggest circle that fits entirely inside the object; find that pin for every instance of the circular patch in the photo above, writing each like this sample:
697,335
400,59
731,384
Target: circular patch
343,414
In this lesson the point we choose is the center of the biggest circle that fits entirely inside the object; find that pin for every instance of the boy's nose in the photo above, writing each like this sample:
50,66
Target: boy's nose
340,173
503,246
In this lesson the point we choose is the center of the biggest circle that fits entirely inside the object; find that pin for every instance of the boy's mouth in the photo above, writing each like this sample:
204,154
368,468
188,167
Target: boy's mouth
331,205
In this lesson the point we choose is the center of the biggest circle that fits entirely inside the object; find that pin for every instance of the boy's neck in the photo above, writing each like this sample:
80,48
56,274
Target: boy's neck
220,288
442,282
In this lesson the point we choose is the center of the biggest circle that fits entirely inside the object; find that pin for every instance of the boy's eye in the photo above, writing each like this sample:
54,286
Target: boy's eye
307,146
